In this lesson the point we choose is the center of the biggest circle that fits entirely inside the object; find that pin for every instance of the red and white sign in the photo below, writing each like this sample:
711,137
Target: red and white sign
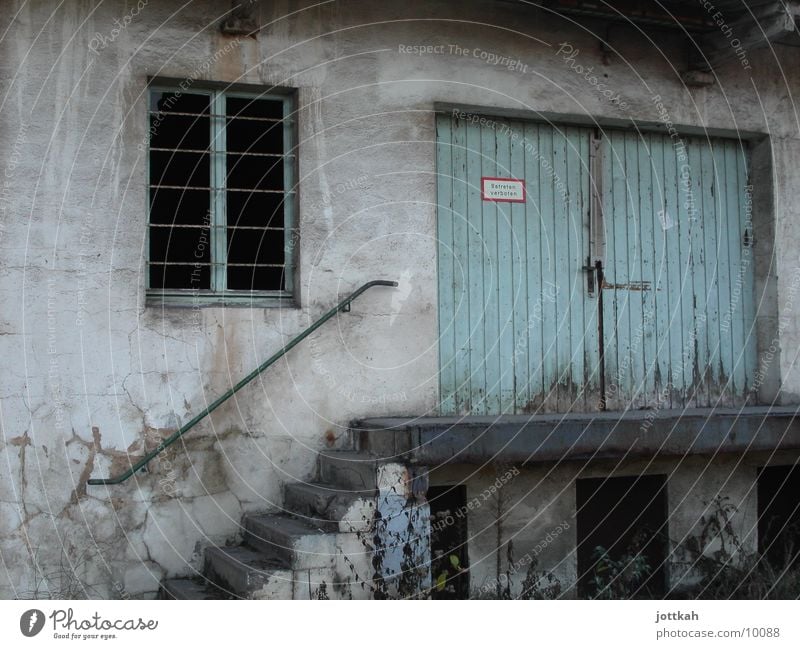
506,190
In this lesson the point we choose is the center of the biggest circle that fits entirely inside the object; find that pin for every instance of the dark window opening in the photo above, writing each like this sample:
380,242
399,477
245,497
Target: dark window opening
255,164
449,556
779,515
219,213
622,530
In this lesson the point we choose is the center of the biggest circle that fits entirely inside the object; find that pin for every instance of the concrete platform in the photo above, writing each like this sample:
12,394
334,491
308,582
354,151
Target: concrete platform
530,439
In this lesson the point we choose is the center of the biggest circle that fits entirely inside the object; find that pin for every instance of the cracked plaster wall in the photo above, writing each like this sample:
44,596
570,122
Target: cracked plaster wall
90,373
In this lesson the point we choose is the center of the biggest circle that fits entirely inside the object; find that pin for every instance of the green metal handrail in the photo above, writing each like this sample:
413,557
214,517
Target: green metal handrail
344,305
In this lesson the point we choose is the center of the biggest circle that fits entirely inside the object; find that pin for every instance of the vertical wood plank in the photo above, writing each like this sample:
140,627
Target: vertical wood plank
547,141
633,299
711,267
672,255
447,299
747,252
687,218
731,318
574,279
475,243
537,250
648,348
661,287
699,292
507,283
490,136
460,289
521,258
612,170
561,280
725,275
589,324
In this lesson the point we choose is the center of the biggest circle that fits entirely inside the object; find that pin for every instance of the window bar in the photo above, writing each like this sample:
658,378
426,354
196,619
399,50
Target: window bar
215,114
189,226
209,263
222,153
219,190
149,199
289,240
219,233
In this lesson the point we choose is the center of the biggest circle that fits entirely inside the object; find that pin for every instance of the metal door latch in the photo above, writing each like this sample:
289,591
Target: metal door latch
590,277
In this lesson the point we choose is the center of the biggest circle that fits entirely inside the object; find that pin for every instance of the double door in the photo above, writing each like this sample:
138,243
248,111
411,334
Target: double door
582,269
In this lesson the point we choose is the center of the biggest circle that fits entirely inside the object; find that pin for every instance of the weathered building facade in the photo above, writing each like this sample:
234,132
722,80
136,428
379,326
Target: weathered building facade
588,209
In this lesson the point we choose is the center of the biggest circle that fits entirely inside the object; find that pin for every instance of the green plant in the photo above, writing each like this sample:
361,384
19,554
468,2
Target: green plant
539,585
718,565
502,501
65,579
321,593
446,568
624,577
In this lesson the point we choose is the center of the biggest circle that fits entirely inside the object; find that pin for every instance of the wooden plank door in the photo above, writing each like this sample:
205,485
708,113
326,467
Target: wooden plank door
517,332
678,298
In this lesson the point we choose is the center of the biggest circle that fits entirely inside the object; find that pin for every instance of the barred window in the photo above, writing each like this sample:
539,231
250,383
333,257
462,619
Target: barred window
221,194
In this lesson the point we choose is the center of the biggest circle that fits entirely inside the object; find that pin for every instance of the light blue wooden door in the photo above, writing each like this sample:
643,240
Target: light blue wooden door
518,331
678,298
672,229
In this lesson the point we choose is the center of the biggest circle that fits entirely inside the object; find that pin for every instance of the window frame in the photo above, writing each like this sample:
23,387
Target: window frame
218,294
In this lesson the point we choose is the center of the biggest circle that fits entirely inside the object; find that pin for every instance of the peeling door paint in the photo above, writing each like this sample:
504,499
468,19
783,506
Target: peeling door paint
517,320
678,300
517,332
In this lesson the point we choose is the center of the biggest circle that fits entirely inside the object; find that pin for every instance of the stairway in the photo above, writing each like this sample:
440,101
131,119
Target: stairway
320,547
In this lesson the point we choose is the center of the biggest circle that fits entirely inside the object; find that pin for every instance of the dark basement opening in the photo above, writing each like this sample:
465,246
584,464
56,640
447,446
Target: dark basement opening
779,515
449,556
627,517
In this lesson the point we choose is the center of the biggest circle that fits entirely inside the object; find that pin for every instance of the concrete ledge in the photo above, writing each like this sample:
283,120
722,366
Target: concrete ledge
190,589
527,439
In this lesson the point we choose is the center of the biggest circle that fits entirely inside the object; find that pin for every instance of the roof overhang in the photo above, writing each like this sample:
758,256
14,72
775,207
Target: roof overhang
719,30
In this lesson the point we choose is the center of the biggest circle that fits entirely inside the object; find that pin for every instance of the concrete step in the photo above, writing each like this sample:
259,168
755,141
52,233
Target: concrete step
248,573
191,589
331,507
294,543
348,470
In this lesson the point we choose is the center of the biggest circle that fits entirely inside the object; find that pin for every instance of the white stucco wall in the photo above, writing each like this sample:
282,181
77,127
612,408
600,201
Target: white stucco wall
537,510
89,372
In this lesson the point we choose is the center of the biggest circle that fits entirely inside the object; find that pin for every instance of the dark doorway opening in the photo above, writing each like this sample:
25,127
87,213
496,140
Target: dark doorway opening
449,557
622,530
779,515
